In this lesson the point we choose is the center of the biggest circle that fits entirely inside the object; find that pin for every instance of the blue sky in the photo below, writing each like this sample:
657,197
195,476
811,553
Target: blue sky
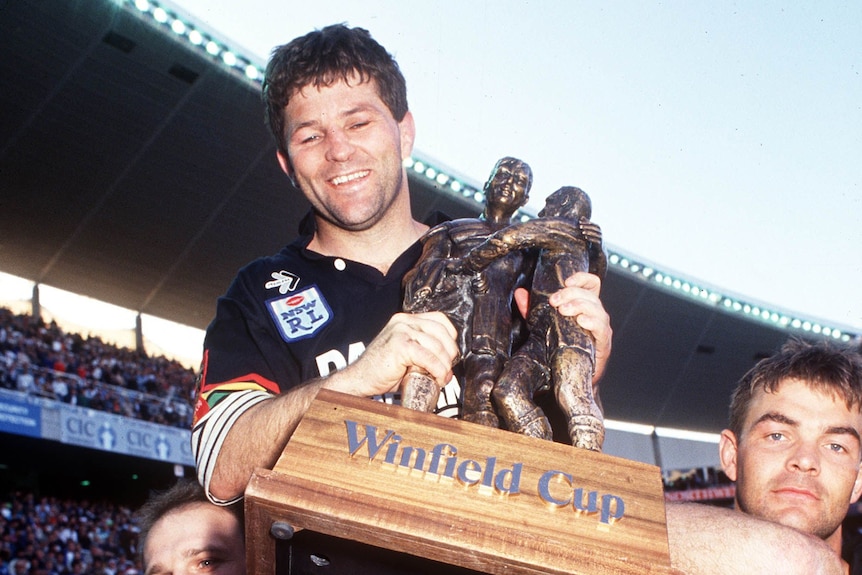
719,140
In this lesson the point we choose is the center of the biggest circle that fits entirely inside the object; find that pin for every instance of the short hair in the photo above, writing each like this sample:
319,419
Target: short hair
322,58
183,493
514,164
825,366
567,202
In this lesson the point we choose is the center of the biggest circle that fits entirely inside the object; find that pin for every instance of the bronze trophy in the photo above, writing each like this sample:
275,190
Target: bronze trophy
469,269
371,487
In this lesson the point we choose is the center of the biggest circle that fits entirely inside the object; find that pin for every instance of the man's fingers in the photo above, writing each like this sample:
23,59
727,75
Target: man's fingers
585,280
580,299
522,300
428,341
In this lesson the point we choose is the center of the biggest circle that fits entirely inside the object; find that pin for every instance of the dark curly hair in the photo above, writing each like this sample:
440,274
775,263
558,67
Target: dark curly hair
323,57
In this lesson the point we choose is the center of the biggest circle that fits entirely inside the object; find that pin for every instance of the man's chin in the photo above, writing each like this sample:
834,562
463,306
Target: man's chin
351,222
805,520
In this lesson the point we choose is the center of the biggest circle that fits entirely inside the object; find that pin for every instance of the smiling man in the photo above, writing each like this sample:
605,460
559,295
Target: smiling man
324,312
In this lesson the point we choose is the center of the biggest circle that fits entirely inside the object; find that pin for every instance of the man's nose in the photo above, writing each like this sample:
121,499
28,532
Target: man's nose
339,148
805,457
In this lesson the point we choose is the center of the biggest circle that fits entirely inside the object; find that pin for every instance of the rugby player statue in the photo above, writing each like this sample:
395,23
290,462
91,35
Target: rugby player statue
469,270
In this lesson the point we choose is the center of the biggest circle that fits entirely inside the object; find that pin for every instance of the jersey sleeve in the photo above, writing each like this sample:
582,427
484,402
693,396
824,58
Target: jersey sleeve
209,433
236,374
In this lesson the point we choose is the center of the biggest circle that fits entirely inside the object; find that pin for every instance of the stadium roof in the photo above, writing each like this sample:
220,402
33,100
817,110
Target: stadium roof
135,168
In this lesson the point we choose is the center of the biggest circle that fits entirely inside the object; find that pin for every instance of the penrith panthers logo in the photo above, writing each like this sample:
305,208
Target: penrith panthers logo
300,315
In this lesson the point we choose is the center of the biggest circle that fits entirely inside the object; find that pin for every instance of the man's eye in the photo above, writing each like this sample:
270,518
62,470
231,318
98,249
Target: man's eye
776,436
837,447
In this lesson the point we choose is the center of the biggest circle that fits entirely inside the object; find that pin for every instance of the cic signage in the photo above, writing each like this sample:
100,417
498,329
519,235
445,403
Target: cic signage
108,432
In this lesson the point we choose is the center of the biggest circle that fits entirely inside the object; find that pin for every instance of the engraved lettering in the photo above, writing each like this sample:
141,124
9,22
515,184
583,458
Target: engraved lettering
545,487
370,438
556,488
393,449
488,475
469,472
619,505
407,455
437,453
592,505
514,477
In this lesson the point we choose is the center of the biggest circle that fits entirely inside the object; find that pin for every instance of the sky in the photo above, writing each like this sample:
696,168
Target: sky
718,140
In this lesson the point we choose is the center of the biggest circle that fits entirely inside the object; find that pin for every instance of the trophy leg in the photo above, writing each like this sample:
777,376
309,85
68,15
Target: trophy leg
480,372
573,387
419,391
534,424
587,432
484,417
513,396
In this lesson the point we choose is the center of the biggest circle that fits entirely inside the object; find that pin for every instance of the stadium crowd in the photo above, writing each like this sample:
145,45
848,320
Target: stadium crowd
40,359
695,478
45,535
50,536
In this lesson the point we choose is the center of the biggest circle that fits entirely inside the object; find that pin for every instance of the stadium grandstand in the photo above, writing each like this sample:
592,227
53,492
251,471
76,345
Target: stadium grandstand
135,170
88,430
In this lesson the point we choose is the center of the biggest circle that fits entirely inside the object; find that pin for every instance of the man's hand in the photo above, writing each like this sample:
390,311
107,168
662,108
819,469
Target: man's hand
426,341
580,299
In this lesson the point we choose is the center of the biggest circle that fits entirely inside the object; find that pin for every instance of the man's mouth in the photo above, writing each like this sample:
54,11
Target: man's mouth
339,180
797,492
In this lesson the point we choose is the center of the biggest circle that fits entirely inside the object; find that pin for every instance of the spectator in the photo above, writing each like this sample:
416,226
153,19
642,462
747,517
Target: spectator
31,533
25,381
182,532
40,359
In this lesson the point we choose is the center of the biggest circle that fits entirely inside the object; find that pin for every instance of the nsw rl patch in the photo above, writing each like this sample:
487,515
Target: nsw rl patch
299,315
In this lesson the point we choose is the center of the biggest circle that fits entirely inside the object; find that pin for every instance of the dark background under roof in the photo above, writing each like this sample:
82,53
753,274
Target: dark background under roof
138,171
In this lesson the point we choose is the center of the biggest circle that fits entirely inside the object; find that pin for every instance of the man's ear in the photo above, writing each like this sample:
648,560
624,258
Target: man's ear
727,453
286,167
857,486
407,127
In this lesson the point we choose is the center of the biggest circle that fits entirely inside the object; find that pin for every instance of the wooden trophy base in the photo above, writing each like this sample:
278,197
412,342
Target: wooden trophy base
390,482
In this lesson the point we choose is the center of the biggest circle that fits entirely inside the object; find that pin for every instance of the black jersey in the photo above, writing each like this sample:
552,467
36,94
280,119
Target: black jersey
286,319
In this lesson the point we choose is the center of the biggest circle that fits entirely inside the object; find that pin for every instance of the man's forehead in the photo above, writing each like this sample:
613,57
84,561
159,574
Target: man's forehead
332,80
340,99
791,396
